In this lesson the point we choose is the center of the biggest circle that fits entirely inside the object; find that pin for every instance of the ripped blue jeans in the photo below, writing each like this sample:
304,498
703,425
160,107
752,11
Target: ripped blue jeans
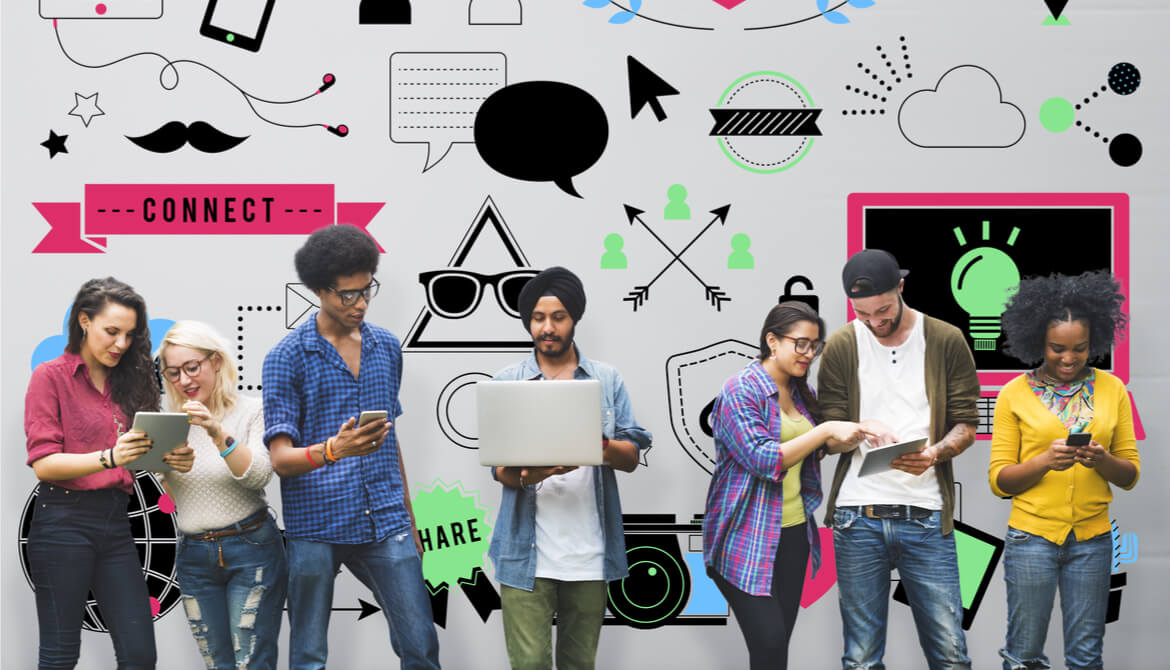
235,605
867,550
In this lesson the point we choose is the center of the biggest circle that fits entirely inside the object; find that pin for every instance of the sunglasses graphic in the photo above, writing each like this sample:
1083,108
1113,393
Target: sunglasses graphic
453,293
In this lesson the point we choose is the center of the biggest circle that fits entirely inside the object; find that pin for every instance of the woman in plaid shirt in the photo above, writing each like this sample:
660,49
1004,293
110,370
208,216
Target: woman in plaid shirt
766,421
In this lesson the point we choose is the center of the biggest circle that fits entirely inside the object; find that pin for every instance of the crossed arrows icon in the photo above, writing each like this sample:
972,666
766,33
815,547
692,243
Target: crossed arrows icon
712,293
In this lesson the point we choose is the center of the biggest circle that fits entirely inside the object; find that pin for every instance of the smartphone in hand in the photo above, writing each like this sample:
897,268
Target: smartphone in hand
1078,439
374,415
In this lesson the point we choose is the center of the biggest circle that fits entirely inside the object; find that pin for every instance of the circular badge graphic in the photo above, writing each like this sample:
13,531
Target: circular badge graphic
455,409
154,536
765,122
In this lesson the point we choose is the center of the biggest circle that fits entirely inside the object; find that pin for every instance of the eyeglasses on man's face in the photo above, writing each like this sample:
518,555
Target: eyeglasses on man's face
190,368
803,345
350,297
455,293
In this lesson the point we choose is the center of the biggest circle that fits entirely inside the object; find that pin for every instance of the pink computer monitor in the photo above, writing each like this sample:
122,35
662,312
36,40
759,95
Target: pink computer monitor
937,236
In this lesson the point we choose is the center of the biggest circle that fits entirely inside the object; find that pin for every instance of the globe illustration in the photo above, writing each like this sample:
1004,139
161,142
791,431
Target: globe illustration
154,537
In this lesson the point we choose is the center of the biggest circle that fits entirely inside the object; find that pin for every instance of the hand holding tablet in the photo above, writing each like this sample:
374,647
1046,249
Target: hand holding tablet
881,459
166,431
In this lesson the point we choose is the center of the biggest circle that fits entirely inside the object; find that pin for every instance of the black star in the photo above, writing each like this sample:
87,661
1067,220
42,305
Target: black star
55,144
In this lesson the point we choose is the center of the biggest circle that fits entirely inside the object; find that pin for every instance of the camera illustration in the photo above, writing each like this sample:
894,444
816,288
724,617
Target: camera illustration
668,583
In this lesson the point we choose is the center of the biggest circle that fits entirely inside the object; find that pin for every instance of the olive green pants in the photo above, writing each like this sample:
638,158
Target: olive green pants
579,608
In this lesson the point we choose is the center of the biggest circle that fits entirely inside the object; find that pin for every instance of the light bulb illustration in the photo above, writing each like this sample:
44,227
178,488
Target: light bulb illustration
981,281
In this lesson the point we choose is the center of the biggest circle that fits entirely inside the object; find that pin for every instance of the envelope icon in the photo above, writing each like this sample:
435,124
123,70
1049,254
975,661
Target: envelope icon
298,302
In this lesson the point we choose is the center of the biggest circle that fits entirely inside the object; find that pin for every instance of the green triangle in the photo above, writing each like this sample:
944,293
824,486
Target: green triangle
1052,21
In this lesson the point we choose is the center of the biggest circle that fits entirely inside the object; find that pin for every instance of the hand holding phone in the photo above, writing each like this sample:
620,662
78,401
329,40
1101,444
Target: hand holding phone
373,415
1078,439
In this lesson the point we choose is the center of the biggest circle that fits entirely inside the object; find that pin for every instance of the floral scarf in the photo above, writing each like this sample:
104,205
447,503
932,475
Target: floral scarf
1071,403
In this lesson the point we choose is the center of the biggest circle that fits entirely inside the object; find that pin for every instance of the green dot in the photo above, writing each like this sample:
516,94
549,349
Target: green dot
652,571
1057,114
230,37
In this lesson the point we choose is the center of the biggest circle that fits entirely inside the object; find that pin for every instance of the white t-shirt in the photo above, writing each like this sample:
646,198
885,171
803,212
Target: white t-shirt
893,391
569,542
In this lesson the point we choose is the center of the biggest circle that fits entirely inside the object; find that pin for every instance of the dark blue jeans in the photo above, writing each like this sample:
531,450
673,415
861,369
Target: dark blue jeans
391,569
81,541
235,608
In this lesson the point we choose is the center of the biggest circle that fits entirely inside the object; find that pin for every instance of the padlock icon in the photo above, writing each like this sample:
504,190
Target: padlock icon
808,299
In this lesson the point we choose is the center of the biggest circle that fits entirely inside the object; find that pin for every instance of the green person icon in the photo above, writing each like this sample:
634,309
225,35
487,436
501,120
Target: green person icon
740,258
677,208
613,258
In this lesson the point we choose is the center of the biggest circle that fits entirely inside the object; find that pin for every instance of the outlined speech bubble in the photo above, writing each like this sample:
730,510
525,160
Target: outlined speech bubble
435,96
542,131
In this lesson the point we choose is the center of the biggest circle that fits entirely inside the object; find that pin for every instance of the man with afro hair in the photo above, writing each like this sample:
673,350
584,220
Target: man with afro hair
343,485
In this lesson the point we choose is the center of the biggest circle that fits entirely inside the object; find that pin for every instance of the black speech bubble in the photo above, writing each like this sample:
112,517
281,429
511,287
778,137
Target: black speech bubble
541,131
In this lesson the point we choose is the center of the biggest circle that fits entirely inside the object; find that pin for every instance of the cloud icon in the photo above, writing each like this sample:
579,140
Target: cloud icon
964,110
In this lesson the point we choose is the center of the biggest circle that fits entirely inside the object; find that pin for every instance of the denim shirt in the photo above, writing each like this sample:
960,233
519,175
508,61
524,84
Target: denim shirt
513,545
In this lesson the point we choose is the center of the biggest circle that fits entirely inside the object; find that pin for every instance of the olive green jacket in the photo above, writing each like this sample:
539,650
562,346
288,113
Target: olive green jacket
952,389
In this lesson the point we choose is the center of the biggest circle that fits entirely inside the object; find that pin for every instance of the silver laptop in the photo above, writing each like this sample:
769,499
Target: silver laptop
539,423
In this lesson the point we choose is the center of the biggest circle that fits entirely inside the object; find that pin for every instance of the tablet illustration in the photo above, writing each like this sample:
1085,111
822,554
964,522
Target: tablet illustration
240,23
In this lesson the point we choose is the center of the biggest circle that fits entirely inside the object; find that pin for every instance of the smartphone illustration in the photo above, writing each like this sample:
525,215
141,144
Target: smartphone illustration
240,23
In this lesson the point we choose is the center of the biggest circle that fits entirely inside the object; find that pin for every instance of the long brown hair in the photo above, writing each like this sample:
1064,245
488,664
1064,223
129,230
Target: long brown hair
132,381
779,322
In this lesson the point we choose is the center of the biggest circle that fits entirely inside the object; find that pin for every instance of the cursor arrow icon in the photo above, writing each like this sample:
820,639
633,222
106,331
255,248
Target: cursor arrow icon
645,89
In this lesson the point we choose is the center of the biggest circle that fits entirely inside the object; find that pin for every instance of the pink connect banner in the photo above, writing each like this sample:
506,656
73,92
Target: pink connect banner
194,209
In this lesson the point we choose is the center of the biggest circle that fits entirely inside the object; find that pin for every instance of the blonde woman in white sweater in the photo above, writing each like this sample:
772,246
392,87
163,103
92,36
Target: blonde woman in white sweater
231,562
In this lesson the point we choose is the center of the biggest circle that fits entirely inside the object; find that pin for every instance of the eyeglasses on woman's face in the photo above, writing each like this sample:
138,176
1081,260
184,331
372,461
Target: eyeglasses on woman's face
190,368
803,345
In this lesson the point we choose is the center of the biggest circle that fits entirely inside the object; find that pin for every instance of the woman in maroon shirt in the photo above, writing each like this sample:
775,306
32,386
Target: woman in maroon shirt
76,415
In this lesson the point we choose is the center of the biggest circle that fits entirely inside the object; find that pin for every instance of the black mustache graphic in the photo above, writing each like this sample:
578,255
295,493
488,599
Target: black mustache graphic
172,136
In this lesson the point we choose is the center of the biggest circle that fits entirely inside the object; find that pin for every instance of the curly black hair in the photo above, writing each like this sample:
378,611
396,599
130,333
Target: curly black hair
335,251
1093,298
132,382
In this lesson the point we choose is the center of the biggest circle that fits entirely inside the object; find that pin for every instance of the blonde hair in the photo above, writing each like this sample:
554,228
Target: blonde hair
202,338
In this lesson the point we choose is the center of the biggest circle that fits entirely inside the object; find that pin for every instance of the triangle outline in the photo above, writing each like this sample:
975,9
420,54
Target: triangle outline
488,213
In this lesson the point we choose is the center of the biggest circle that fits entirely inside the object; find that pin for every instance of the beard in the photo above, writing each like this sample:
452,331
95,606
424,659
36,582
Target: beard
893,327
555,347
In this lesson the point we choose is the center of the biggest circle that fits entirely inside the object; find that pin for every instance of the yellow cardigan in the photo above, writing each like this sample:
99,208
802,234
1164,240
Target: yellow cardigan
1076,498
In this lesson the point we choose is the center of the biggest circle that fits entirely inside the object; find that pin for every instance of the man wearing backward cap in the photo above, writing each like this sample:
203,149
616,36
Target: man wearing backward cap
558,539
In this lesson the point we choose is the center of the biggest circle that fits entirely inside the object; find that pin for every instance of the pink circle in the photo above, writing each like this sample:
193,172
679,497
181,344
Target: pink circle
166,504
328,78
343,128
155,607
100,8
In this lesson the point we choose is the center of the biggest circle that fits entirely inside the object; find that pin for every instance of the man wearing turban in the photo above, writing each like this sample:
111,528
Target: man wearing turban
558,539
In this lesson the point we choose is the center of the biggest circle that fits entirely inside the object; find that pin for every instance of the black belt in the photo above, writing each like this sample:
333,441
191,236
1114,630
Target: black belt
894,512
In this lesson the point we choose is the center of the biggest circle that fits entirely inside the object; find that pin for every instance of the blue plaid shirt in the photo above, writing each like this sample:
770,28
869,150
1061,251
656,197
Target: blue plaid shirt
745,501
309,392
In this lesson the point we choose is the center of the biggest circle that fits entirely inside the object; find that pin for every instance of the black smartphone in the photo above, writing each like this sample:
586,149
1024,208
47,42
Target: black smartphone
1078,439
240,23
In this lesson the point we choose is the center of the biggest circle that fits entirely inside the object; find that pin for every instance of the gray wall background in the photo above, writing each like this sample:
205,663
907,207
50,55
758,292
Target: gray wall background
796,220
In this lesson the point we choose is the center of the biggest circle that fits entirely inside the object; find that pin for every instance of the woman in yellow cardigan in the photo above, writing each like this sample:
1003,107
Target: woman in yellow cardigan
1058,532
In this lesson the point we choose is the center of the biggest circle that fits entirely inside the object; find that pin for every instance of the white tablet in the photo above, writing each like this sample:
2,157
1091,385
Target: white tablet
879,459
167,430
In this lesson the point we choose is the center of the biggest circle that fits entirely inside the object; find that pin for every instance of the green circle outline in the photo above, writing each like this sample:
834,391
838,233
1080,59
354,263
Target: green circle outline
731,156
